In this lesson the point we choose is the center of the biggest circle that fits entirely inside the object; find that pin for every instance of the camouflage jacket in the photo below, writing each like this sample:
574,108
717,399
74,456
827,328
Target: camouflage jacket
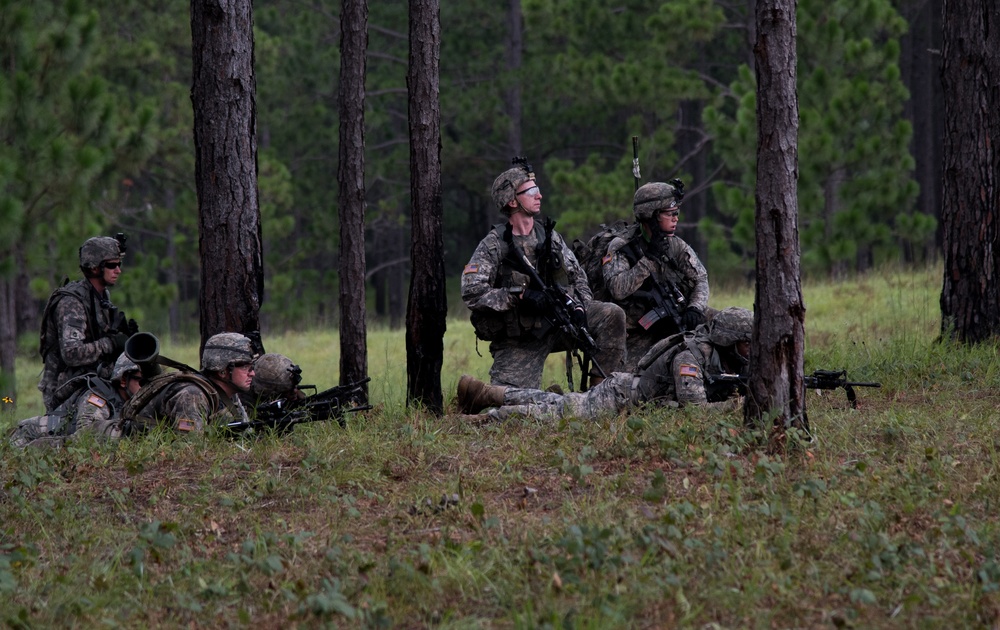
184,401
93,408
630,266
72,339
493,279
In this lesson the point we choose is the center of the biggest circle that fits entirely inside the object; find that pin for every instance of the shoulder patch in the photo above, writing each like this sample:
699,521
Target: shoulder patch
471,268
687,369
96,400
183,424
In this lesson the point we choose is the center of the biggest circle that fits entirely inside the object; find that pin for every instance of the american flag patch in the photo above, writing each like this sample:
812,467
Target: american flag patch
183,424
471,268
607,258
689,370
96,401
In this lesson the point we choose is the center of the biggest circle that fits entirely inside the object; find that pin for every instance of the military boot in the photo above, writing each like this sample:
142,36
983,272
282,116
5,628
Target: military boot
475,395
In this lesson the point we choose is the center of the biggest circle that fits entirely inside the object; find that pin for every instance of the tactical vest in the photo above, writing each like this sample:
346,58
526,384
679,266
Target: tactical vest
493,326
48,340
132,418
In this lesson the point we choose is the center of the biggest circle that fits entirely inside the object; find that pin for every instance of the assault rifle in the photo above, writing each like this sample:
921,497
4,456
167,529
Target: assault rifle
121,324
283,414
667,300
562,315
819,379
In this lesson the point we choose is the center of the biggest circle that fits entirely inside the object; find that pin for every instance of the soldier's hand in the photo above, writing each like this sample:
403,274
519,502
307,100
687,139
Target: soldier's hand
534,302
118,340
692,318
132,327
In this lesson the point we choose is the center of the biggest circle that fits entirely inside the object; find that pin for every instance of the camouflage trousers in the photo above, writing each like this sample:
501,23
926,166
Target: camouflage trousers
614,394
48,430
519,361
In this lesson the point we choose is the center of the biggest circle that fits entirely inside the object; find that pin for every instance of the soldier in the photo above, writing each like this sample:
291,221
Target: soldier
676,371
78,331
185,401
275,378
510,311
641,265
94,407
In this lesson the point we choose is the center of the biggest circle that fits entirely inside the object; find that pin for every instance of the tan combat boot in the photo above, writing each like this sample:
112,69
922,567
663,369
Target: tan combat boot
475,395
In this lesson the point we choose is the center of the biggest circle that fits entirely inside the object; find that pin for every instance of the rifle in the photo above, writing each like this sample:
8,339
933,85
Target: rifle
819,379
283,414
668,301
562,314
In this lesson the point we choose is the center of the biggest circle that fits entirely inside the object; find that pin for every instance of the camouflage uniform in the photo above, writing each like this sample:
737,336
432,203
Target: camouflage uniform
75,329
491,284
633,263
677,372
94,408
185,401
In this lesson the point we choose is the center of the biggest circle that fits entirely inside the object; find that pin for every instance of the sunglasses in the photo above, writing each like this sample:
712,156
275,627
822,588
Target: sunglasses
243,364
111,265
529,191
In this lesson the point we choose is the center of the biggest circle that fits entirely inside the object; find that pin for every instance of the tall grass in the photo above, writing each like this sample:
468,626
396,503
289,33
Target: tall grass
655,518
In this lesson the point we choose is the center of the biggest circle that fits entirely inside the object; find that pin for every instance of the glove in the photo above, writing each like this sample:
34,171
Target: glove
534,302
118,340
132,327
692,318
579,317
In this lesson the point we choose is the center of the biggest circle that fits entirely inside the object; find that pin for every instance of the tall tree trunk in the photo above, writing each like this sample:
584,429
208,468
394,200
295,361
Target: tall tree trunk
8,339
225,139
970,74
776,388
351,178
427,311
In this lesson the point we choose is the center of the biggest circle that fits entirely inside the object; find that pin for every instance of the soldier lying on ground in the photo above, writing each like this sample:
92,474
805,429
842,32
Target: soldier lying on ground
676,371
186,401
94,407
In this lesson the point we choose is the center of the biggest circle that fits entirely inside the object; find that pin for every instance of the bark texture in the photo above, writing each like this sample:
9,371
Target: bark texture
351,179
225,136
970,74
776,389
427,310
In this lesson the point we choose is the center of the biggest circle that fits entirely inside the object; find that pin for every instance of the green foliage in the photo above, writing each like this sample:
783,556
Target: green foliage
856,187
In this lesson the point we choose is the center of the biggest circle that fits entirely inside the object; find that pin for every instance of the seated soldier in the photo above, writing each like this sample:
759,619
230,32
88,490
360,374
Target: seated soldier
94,407
677,371
186,401
649,265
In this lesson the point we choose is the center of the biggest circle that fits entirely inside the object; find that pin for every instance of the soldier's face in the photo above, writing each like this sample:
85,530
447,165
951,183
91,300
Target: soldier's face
667,221
529,197
112,269
241,376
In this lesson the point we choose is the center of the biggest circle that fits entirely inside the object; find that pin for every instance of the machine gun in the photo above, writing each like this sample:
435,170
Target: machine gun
819,379
283,414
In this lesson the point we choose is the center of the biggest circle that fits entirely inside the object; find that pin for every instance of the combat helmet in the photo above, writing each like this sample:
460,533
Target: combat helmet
123,366
506,184
730,325
275,374
97,249
224,349
656,196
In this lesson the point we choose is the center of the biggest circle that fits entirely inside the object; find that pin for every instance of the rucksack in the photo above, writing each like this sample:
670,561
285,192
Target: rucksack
591,254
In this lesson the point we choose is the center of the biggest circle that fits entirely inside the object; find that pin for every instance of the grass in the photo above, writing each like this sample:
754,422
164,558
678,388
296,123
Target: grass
652,519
